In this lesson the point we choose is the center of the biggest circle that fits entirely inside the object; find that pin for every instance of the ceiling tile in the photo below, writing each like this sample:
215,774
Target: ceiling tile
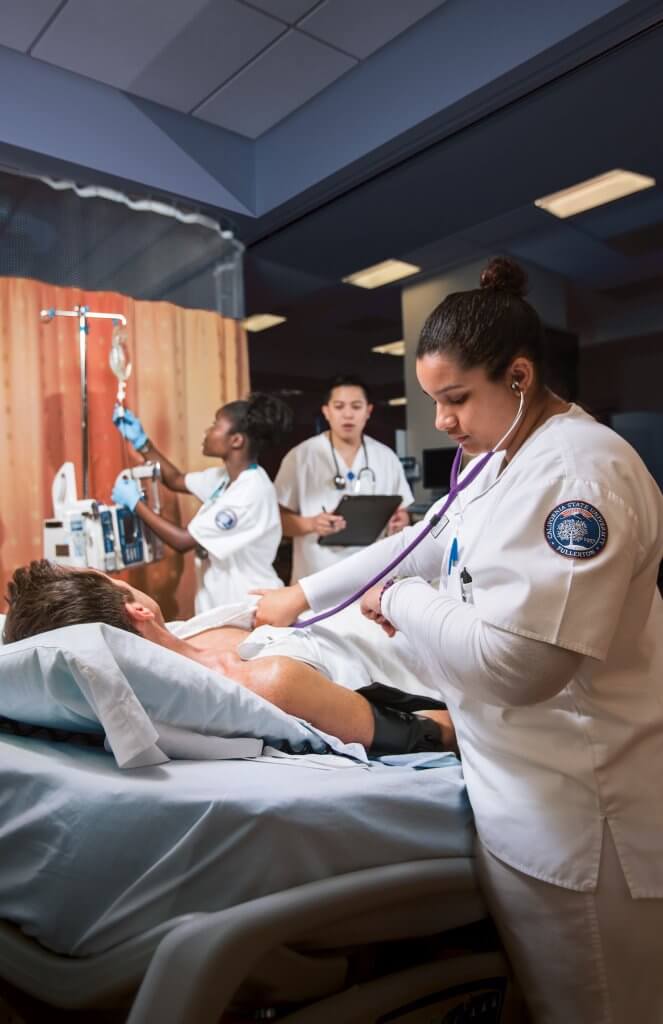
360,27
21,23
113,42
299,66
216,43
287,10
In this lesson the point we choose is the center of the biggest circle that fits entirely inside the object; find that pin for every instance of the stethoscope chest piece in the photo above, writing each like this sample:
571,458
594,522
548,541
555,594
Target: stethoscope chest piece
340,482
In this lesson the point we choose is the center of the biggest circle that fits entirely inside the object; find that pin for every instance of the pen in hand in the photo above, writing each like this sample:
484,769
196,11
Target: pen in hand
329,524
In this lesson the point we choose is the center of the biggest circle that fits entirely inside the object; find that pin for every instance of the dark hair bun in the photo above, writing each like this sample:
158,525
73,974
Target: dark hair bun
504,275
268,418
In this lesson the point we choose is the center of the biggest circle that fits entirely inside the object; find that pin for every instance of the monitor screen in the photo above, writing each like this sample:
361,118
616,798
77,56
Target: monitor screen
437,463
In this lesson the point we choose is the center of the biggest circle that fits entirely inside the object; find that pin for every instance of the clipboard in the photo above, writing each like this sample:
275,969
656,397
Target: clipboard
366,516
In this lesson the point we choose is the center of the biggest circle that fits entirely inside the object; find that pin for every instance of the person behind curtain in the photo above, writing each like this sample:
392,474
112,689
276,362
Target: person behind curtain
315,475
546,635
237,530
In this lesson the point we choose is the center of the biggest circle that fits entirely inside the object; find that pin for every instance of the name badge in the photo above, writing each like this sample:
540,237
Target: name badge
442,525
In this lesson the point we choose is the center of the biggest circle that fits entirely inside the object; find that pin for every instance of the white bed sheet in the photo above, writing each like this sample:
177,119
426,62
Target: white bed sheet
92,856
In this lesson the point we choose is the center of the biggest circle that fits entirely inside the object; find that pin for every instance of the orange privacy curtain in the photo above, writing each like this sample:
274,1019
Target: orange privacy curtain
186,363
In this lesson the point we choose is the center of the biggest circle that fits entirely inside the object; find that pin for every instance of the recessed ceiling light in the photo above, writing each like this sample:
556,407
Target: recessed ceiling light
604,188
261,321
381,273
398,401
393,348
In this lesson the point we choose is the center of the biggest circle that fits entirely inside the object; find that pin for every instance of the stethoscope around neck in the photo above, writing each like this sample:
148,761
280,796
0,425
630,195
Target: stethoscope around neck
456,487
341,482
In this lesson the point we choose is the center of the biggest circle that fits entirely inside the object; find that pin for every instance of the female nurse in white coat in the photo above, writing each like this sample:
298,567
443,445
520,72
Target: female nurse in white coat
237,530
546,634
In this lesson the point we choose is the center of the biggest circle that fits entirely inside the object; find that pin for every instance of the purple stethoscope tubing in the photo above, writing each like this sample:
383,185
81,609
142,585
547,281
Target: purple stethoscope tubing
455,490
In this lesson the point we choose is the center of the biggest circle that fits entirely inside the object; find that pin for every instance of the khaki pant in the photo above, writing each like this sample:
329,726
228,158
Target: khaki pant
580,958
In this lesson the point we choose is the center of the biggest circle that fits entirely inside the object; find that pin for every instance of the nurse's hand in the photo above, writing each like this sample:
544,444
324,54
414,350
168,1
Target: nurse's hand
326,523
370,607
126,492
129,426
280,607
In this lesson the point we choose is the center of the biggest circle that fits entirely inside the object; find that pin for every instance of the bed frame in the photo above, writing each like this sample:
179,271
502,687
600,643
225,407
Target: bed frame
292,956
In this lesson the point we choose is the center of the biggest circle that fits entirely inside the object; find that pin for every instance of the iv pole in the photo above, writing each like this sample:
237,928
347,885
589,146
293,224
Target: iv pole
83,314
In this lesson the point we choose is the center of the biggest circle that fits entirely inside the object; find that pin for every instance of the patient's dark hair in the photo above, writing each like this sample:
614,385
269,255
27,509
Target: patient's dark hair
43,596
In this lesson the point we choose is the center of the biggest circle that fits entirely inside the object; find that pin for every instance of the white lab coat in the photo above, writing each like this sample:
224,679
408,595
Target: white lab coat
240,528
305,485
544,775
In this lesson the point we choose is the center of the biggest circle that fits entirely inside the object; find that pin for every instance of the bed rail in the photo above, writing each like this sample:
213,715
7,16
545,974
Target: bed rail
199,966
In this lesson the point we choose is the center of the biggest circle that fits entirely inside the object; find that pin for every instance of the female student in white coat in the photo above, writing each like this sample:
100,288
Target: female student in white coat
547,638
237,530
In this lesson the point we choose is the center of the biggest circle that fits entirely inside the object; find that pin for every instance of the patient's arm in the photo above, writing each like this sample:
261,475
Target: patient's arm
297,688
300,690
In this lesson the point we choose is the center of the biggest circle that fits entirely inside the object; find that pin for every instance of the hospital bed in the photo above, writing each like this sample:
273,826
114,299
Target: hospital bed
303,888
265,889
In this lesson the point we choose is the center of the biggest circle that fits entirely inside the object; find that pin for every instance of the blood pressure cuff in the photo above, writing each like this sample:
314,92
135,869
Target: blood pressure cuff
397,729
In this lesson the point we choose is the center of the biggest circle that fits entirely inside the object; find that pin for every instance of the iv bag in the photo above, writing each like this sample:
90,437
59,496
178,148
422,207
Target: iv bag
119,358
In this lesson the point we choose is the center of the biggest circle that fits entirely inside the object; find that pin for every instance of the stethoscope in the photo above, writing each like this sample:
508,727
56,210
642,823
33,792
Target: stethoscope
456,488
341,482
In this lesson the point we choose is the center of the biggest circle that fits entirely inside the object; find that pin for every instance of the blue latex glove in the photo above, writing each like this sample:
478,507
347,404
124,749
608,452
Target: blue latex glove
129,426
126,492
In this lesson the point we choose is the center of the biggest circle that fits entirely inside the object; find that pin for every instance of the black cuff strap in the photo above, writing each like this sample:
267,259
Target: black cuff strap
400,732
389,697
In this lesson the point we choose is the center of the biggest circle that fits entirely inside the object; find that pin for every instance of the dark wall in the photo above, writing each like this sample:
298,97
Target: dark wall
560,367
622,376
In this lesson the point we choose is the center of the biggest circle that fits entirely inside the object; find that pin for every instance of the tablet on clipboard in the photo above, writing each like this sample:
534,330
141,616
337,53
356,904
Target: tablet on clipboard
366,516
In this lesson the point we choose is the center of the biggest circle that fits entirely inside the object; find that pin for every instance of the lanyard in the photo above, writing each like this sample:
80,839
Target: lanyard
219,489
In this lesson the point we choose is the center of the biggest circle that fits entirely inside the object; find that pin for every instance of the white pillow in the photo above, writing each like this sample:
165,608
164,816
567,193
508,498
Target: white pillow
95,677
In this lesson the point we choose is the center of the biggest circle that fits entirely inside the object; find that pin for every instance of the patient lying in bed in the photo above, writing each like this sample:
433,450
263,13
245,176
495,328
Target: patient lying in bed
291,670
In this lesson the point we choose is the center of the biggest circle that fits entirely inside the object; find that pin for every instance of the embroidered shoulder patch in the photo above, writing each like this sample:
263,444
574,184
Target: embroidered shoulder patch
225,519
576,530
